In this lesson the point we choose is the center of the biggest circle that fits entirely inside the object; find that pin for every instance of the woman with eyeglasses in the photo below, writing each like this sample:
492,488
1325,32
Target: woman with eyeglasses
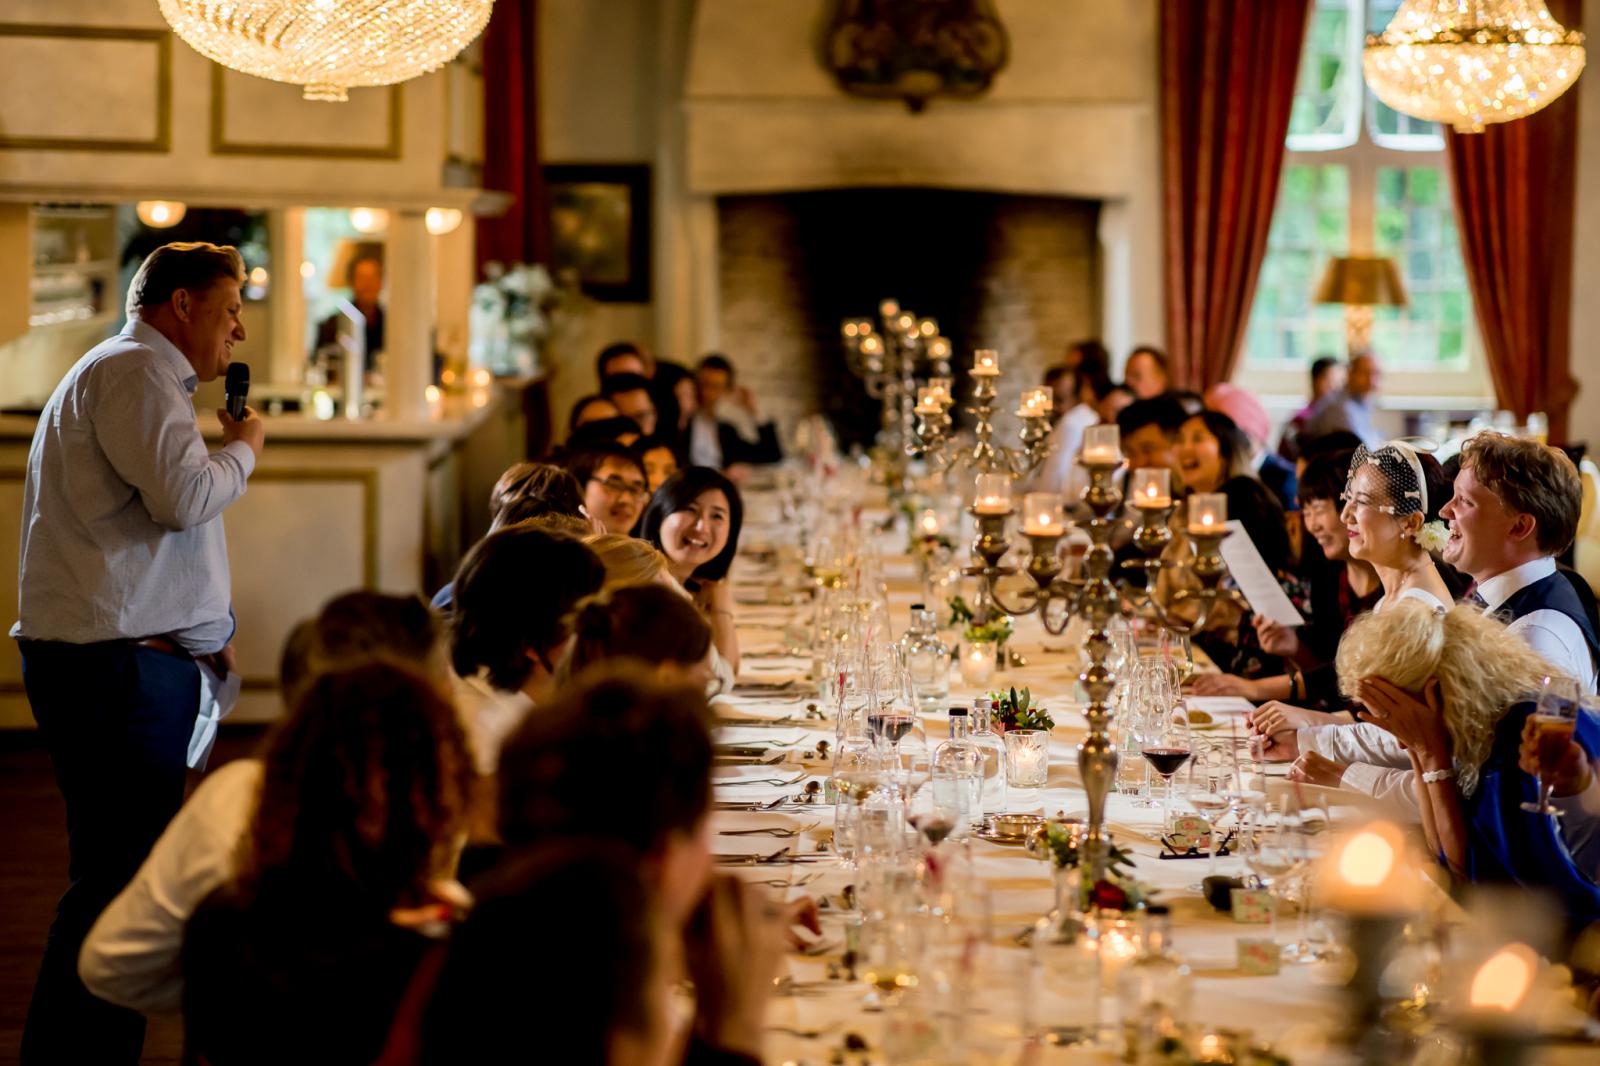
614,486
694,518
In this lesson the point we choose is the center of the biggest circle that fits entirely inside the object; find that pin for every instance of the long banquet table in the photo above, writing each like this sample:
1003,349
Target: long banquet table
1290,1010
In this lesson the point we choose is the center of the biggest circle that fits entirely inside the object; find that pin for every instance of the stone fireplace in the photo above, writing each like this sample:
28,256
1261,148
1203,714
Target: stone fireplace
1013,272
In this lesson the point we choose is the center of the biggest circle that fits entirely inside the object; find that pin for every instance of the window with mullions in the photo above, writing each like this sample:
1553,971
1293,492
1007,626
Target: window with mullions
1359,178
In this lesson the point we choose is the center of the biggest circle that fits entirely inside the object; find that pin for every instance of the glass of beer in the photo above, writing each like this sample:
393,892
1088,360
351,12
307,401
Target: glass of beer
1554,719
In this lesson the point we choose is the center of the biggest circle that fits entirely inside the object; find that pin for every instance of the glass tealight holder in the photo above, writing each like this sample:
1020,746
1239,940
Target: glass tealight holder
1208,514
1027,758
1102,446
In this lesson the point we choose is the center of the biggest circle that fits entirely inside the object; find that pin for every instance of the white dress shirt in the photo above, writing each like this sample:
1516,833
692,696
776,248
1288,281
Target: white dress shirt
1550,633
131,956
489,715
122,506
1060,471
1378,765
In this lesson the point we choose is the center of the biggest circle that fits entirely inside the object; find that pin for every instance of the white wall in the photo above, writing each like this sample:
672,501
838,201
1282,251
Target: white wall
1585,421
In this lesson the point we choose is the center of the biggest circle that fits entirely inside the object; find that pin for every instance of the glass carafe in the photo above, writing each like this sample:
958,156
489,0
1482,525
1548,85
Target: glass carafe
927,658
957,777
992,792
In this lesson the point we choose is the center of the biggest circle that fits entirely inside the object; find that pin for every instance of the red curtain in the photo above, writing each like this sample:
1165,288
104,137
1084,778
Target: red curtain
1514,190
511,138
1228,73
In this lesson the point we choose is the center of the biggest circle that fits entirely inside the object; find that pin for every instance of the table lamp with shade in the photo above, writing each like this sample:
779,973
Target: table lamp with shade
1361,282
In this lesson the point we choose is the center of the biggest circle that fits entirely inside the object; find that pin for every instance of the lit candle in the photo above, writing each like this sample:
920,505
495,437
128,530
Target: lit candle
978,663
1370,873
871,345
928,327
887,309
1036,403
939,348
850,329
481,378
435,400
1041,514
994,494
928,523
1102,446
928,402
1152,488
906,322
942,390
1208,513
986,363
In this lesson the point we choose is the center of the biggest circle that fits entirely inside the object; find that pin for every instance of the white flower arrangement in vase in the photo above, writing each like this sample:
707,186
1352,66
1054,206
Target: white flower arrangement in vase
511,313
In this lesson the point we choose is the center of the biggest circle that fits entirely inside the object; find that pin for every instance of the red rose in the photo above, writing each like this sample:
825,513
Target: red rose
1107,896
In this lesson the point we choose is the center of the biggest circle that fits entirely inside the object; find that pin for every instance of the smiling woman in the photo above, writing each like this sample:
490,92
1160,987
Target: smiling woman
695,518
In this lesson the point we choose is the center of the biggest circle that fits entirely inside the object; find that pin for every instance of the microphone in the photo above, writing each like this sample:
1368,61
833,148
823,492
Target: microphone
236,388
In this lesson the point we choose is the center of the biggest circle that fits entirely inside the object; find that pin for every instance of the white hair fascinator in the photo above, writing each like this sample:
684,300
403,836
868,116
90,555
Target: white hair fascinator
1403,488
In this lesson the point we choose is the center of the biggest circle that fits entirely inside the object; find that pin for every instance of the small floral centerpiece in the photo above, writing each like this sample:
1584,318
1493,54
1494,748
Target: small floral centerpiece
1016,711
1118,890
995,631
511,314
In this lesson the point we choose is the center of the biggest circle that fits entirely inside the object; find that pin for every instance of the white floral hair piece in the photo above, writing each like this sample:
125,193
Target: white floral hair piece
1433,536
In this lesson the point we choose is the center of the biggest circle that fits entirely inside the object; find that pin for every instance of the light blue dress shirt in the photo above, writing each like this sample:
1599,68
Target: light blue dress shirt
122,507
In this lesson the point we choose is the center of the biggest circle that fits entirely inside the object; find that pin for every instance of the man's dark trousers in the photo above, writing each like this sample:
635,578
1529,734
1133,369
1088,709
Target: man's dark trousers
116,718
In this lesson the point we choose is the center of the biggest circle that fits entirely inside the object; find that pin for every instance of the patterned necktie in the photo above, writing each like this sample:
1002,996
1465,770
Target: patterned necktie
1471,596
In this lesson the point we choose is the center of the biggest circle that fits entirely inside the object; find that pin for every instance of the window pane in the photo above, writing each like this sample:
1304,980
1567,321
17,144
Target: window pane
1327,100
1387,127
1415,226
1284,323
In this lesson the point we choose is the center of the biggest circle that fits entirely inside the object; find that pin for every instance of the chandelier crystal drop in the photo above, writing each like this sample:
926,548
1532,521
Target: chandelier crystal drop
1469,63
329,46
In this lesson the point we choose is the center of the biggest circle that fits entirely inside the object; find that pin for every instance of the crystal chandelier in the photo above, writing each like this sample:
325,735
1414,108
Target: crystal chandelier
1467,63
329,46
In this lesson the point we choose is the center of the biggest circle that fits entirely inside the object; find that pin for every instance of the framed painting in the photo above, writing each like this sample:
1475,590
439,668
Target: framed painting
600,227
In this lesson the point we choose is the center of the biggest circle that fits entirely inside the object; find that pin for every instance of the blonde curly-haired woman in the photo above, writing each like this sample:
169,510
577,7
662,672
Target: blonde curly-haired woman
1455,690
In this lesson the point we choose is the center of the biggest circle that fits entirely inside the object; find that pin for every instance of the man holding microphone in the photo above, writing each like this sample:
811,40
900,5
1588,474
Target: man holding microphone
124,585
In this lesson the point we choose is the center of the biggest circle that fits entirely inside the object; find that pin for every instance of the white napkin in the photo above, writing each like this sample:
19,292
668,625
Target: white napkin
218,697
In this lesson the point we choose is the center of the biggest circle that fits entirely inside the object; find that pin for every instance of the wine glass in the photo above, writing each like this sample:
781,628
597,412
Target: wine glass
1554,719
1167,745
1208,793
1314,826
1273,848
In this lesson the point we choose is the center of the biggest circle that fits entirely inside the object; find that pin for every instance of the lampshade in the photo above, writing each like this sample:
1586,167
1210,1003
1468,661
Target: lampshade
1363,281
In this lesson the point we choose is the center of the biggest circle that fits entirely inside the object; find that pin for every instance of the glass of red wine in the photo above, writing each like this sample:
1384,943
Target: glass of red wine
1167,746
1554,719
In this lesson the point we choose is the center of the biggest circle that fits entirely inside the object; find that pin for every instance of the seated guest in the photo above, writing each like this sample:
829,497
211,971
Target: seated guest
726,428
131,955
1453,691
1349,408
524,492
1060,471
1515,508
613,485
1327,375
612,994
1063,389
653,625
671,385
1147,372
1118,398
631,395
1247,413
659,459
514,596
1341,589
590,409
547,794
631,562
1214,455
1149,432
694,518
620,430
346,872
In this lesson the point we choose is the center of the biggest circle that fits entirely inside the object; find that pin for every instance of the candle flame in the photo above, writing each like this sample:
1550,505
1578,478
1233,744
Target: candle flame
1367,860
1501,982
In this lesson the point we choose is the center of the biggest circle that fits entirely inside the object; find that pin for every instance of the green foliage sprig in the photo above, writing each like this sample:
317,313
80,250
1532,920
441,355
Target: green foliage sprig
1016,710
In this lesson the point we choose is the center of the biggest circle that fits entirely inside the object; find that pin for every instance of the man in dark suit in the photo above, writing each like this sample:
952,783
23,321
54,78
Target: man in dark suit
726,427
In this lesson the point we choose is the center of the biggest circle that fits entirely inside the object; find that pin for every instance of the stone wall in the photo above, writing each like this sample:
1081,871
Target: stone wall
1015,273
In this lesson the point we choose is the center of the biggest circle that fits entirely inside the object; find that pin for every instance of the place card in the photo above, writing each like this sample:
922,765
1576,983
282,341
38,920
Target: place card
1258,957
1190,831
1252,906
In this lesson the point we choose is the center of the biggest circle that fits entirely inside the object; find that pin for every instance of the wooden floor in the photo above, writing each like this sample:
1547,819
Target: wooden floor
33,874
